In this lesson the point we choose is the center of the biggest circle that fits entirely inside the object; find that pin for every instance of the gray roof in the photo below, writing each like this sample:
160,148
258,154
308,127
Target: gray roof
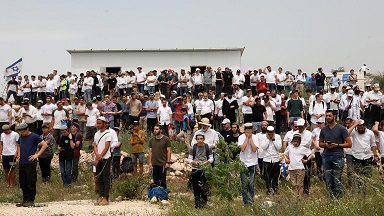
70,51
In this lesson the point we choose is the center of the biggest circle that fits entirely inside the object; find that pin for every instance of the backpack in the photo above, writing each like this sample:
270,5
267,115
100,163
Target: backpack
81,142
158,192
192,122
195,149
313,104
127,165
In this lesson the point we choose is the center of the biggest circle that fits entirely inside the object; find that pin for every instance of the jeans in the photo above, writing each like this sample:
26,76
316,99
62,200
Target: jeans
9,93
349,160
151,89
116,166
318,88
247,181
66,171
333,168
178,126
256,126
291,120
88,95
183,90
362,169
140,88
272,86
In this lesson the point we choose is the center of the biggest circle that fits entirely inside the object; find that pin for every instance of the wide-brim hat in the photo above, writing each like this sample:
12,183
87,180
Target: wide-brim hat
205,121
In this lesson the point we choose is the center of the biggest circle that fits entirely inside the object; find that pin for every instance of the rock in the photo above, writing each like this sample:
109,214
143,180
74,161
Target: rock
268,204
165,202
154,200
178,173
177,166
119,199
80,186
172,174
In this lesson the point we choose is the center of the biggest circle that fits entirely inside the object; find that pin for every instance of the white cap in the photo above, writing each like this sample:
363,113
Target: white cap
350,93
226,121
300,122
270,128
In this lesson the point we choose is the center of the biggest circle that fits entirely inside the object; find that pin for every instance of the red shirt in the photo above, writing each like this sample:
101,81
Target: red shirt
178,116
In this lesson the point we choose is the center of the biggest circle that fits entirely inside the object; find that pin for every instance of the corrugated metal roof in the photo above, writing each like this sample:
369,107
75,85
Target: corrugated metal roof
70,51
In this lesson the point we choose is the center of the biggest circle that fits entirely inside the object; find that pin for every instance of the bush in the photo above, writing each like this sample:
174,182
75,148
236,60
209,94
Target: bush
132,187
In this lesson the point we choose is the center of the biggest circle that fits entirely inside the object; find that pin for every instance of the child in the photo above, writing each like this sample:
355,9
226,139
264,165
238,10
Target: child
200,154
72,90
116,155
296,156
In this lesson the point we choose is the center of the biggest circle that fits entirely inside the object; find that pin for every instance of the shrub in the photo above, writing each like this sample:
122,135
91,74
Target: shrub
132,187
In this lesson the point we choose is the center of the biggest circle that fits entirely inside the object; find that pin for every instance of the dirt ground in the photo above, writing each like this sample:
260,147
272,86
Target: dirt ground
85,207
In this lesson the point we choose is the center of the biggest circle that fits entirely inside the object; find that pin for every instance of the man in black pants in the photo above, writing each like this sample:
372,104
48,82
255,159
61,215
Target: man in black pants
28,143
102,143
159,156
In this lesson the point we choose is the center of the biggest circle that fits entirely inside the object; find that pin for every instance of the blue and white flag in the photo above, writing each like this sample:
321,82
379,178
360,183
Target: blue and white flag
14,69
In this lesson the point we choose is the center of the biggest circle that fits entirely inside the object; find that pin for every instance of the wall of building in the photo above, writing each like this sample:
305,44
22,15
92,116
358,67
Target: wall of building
150,60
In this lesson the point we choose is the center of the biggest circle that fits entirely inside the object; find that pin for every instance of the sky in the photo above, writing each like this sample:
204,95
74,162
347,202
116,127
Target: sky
289,34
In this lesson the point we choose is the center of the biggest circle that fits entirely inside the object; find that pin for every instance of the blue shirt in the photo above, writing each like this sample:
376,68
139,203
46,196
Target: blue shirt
151,104
143,112
28,146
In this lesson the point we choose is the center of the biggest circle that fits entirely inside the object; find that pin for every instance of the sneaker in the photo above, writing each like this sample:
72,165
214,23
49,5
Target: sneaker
20,204
104,202
99,201
28,204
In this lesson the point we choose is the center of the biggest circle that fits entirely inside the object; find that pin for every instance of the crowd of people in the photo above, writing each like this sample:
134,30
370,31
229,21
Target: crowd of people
263,111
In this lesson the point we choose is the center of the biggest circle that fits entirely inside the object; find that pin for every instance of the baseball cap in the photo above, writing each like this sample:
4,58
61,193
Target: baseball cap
226,121
300,122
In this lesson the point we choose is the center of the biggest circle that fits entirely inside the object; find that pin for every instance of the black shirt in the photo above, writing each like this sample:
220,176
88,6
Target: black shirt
320,77
112,83
227,77
232,138
219,76
258,113
64,143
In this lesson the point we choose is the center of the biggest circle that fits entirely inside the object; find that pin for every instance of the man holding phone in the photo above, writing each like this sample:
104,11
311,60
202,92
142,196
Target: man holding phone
333,138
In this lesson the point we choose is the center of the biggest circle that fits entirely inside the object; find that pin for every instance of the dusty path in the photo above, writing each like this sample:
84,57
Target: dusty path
85,207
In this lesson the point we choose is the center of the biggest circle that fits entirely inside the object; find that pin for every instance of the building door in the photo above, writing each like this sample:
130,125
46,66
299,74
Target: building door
114,70
202,69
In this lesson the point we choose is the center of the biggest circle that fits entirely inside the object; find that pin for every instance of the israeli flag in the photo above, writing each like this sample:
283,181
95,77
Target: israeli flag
14,69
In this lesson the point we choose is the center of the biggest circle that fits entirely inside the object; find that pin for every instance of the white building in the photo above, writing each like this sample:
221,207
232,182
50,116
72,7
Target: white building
154,59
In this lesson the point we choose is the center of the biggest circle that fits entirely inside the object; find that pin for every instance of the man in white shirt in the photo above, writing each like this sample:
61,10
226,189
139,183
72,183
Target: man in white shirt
254,79
91,115
317,110
87,87
334,100
364,150
34,90
60,116
317,149
51,86
248,144
8,153
364,69
239,94
29,115
280,78
239,79
270,77
41,84
102,151
47,110
276,98
271,147
219,112
246,108
5,114
300,80
197,81
140,79
206,108
335,81
164,116
375,100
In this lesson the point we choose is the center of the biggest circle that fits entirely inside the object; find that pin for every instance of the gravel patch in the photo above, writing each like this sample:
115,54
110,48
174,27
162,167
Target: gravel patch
84,207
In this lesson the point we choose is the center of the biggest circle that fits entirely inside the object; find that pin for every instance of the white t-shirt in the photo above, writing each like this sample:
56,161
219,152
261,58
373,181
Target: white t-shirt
281,77
381,142
4,110
271,149
48,108
164,113
219,107
197,79
362,143
246,109
270,77
151,78
295,155
89,81
9,142
316,135
130,81
59,115
140,77
254,78
333,97
43,83
100,139
50,85
91,116
248,156
205,106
